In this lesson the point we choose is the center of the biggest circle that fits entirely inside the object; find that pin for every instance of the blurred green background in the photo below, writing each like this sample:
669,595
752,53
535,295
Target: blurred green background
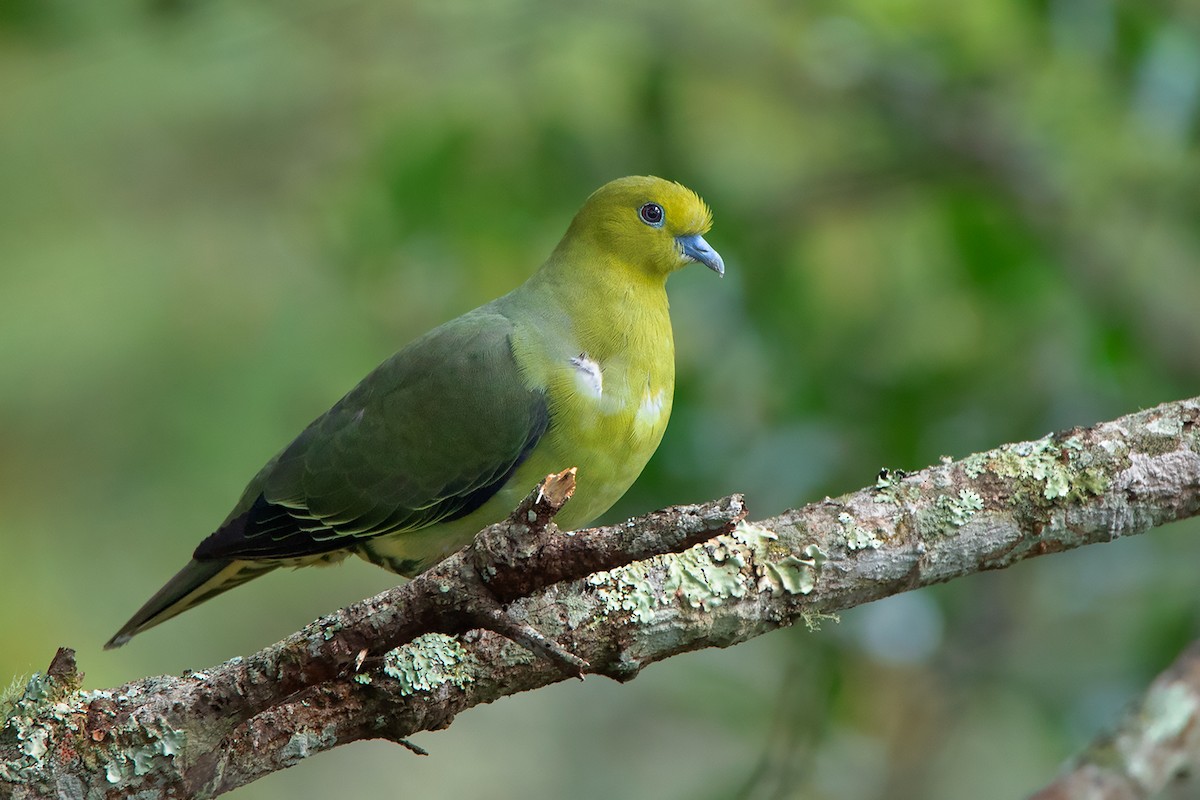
947,226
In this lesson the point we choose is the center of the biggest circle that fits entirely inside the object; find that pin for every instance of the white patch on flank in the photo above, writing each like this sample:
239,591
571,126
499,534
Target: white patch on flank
588,376
651,409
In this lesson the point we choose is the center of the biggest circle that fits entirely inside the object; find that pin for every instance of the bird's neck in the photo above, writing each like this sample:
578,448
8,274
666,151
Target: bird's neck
611,308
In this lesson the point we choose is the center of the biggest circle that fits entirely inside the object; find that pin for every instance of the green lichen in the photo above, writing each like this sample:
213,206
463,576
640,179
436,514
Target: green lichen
855,536
25,707
974,466
1114,447
792,575
628,589
961,508
1054,470
143,760
890,487
889,478
948,513
34,738
1168,711
162,742
171,741
1165,426
39,687
49,711
708,575
428,662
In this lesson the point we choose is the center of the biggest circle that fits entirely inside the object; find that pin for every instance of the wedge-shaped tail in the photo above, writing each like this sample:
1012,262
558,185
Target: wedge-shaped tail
193,584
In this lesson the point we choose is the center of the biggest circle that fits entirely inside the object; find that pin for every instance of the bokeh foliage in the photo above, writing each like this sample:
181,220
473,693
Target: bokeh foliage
947,225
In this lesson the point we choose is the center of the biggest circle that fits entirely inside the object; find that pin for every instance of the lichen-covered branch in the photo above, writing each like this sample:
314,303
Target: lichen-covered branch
1155,745
608,601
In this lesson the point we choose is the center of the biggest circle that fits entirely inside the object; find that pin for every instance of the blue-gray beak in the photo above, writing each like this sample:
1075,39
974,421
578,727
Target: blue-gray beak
695,248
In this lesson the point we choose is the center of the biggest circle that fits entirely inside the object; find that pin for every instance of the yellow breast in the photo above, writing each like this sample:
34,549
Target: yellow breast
606,418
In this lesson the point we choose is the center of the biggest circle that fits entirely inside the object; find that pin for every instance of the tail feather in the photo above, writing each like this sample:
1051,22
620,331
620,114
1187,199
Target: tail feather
192,585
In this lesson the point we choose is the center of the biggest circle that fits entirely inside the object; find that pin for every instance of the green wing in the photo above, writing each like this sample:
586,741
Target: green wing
427,437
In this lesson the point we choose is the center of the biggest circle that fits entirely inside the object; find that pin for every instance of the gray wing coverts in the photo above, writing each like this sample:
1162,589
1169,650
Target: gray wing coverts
427,437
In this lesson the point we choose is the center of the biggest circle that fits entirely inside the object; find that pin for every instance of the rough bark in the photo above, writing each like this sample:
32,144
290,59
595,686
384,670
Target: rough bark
1155,747
606,601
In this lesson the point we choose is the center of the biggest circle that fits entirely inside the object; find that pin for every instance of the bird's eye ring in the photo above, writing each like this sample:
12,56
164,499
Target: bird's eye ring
652,214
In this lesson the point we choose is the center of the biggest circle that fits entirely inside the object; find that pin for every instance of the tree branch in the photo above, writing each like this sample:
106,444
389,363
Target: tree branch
613,599
1156,743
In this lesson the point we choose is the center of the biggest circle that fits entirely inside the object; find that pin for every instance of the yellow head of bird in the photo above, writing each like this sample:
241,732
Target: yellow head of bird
652,225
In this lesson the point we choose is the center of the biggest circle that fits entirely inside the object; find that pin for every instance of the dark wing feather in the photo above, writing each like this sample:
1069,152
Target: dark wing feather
428,437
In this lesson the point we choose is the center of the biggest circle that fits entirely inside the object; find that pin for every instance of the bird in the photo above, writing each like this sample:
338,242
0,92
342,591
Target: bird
575,367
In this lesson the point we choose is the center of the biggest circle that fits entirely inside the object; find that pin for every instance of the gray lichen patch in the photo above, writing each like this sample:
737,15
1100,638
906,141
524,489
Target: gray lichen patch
855,536
948,513
47,714
30,715
710,574
891,488
1051,470
303,744
1165,426
1168,711
963,507
792,575
1164,716
428,662
627,589
155,752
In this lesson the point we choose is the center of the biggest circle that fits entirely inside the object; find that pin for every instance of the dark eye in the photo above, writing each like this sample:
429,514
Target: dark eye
651,214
